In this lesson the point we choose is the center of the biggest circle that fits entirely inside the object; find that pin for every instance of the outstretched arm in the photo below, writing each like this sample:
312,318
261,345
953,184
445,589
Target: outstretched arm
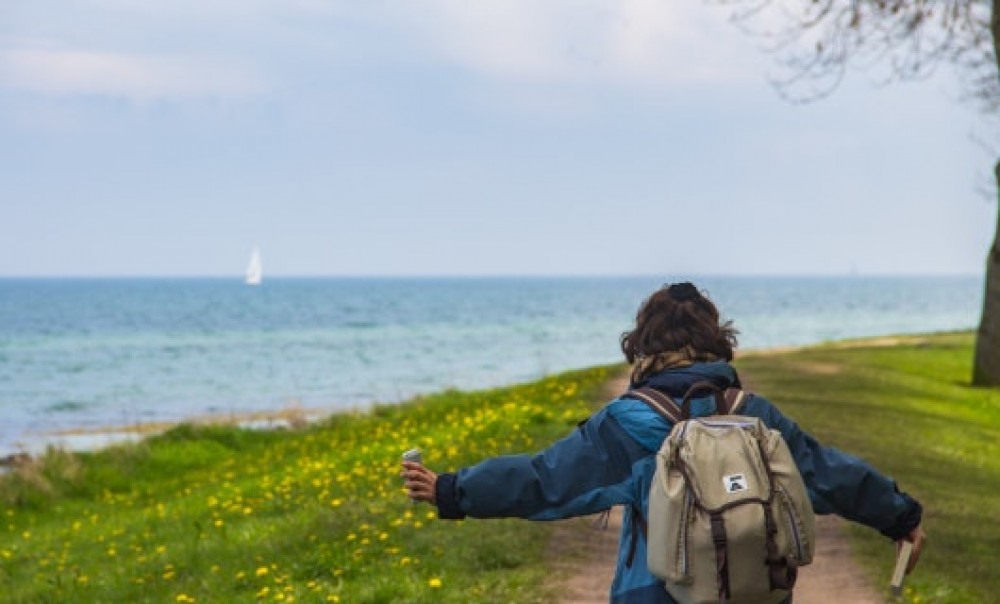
845,485
588,471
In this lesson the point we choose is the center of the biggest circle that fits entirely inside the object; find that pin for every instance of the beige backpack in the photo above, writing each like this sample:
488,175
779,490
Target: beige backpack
729,518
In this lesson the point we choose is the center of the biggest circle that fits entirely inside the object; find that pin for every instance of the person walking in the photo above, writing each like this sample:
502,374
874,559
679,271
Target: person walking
678,340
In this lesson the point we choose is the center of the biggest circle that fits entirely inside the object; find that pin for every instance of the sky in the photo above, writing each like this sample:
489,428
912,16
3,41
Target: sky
447,137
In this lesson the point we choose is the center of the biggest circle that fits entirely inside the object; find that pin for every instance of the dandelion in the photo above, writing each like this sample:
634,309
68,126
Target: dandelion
261,571
336,503
184,598
434,582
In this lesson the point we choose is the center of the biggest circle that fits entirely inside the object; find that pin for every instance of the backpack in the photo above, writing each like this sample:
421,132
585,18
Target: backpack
729,518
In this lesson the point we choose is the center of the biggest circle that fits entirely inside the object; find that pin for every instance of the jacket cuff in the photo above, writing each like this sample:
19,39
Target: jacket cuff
446,496
907,521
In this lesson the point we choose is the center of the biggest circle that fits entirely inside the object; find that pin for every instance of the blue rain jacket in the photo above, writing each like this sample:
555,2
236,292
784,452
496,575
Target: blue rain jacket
610,459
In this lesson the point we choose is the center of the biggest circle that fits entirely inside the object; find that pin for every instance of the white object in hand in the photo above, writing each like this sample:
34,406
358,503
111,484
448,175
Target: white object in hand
902,561
413,455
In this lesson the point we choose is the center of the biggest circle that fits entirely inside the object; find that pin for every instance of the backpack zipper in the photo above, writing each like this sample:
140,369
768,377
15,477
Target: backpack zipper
685,523
792,523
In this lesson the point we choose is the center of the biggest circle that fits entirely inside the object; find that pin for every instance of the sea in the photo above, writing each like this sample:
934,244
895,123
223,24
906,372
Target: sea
81,356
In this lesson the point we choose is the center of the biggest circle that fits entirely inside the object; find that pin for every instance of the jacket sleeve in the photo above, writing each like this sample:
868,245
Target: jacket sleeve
588,471
842,484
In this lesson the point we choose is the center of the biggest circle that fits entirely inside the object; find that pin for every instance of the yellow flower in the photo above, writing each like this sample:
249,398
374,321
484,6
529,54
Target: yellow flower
261,571
434,582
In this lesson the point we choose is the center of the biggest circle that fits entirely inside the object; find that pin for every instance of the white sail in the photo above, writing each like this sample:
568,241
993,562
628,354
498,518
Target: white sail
254,269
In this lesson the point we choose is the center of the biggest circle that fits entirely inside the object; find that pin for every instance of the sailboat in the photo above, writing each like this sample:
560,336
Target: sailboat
254,269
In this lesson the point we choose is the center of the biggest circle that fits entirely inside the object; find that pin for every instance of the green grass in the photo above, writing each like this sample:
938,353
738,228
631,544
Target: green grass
314,515
229,515
909,410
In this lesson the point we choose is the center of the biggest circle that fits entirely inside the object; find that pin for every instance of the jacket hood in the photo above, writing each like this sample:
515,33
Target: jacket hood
676,382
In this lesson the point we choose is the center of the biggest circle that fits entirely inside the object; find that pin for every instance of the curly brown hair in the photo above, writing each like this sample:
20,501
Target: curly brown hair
674,318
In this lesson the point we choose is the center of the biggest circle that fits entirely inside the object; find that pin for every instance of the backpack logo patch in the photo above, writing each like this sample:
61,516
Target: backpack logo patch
734,483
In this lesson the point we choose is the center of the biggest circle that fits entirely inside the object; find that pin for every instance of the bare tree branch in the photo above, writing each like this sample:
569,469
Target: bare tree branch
817,41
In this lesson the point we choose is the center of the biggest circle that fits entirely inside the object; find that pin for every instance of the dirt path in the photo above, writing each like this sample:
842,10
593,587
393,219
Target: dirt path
586,578
584,561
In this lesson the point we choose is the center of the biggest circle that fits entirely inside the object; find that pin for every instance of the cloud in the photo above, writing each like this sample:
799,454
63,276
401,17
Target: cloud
136,77
633,42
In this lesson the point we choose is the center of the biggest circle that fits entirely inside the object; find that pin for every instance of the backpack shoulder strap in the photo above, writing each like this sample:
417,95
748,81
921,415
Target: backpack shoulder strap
727,402
734,400
660,402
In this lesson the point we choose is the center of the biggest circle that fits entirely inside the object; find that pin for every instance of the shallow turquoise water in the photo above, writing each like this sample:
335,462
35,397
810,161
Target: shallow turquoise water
92,352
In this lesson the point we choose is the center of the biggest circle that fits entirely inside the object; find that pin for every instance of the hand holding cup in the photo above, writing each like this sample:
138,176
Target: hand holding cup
420,482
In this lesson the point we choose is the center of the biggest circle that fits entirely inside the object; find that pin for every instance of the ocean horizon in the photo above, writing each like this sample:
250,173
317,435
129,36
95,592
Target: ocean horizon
83,353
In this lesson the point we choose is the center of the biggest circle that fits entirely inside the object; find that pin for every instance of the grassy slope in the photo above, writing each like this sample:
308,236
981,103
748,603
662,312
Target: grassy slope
908,409
224,515
227,515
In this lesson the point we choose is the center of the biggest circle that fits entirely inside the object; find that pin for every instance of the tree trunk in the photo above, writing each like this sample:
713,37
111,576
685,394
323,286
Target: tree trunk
986,368
986,365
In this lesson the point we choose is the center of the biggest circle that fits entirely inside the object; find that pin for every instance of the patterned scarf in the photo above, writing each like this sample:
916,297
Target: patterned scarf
647,365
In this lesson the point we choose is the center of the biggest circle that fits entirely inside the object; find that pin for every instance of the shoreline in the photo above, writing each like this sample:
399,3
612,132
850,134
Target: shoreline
293,416
91,438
